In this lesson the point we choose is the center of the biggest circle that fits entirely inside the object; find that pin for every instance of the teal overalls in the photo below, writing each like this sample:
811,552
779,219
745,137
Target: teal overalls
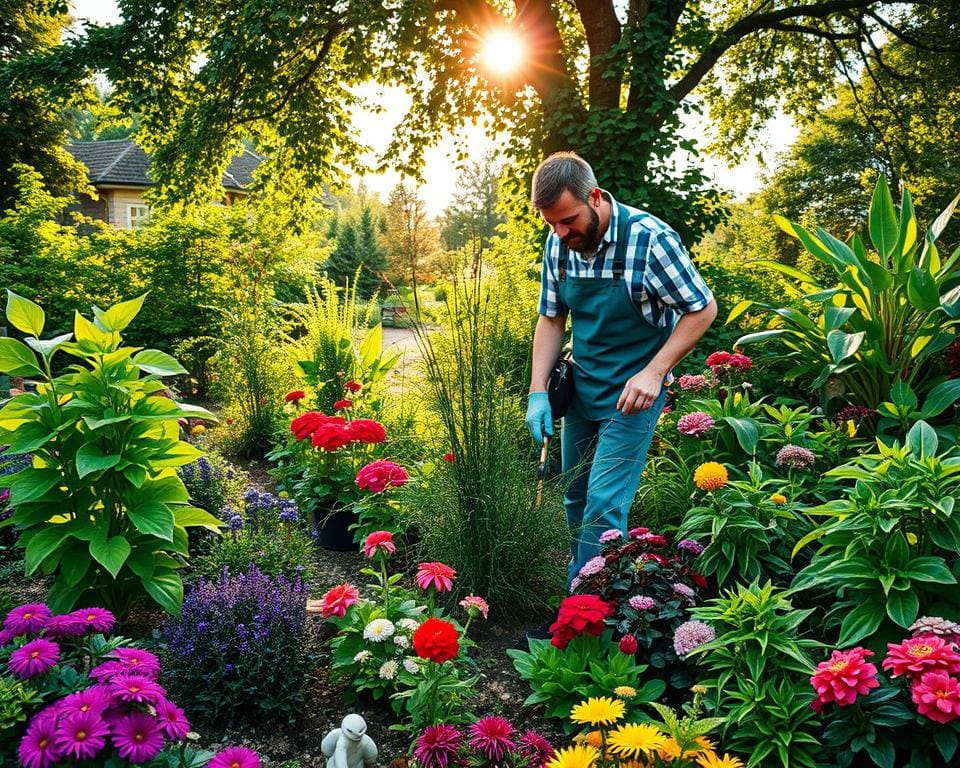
603,451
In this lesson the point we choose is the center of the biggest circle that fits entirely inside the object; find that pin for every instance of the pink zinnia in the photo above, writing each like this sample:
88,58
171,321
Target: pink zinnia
437,746
27,619
740,363
95,619
917,655
338,599
138,737
937,696
235,757
379,541
535,749
379,475
636,533
491,736
437,575
172,720
34,658
135,688
81,735
37,747
695,424
475,606
843,677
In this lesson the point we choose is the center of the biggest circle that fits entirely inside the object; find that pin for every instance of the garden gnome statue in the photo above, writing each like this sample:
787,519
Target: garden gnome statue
349,746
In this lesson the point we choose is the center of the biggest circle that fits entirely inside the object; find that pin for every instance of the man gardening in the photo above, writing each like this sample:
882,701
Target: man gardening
637,306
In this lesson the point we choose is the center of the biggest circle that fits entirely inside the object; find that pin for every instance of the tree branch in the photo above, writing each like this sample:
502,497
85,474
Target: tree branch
907,38
814,32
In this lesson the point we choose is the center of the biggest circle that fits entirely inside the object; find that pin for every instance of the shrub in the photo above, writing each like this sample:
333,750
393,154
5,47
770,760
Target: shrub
101,506
237,652
213,484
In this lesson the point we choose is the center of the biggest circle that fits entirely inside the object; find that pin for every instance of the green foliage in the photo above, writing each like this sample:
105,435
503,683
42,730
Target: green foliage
17,703
890,311
358,255
101,507
889,542
589,666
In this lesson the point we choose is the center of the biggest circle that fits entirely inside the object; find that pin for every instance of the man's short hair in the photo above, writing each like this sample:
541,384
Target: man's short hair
560,171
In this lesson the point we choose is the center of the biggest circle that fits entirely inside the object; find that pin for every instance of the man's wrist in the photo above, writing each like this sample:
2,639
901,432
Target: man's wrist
537,392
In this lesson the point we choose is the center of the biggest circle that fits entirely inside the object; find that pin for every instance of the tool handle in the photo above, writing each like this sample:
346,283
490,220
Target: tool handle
542,466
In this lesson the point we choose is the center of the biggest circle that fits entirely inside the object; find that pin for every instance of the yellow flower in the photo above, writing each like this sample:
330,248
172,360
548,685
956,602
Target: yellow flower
594,739
671,749
636,740
601,710
712,761
199,429
624,692
574,757
778,498
851,428
701,689
710,476
911,538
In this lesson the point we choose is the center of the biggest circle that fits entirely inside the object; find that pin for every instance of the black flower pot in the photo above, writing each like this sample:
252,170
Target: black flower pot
331,527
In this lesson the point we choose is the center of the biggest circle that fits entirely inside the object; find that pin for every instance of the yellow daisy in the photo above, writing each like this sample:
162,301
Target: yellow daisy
600,710
712,761
636,740
574,757
671,750
710,476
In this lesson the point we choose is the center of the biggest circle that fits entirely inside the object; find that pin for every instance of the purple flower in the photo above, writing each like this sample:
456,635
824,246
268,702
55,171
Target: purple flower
593,566
235,757
612,535
95,619
683,590
137,660
135,688
695,424
172,719
690,545
642,603
94,699
64,626
138,737
574,583
491,736
27,619
535,749
437,746
37,747
795,457
34,658
691,635
81,735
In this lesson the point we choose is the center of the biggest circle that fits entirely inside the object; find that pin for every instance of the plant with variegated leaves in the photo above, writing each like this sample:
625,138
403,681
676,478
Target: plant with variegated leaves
101,506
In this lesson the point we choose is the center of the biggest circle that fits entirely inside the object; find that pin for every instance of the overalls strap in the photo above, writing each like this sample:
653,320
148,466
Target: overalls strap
619,255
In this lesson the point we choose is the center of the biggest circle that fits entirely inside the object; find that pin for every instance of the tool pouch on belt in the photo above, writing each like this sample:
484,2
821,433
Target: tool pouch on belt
560,386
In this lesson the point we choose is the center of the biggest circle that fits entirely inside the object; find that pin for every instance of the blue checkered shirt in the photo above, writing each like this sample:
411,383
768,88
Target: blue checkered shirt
664,284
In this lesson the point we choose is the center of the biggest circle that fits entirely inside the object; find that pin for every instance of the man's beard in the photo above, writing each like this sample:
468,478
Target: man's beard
590,240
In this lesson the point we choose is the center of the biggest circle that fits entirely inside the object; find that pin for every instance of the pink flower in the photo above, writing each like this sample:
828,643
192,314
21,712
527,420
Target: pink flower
235,757
843,677
295,396
593,566
692,383
137,660
535,749
367,431
438,575
34,658
613,534
918,655
82,735
379,541
937,696
337,599
691,635
491,737
378,475
636,533
717,358
68,625
695,424
27,619
342,405
353,386
740,363
37,747
437,746
628,645
642,603
475,606
172,720
95,619
138,737
94,699
135,688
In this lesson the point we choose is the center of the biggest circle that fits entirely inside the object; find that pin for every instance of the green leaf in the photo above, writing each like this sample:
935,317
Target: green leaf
158,363
31,484
860,623
41,544
922,440
91,458
896,552
946,741
90,337
153,519
922,290
75,563
902,607
46,347
24,315
940,398
929,568
902,395
120,315
16,359
186,517
883,220
111,553
28,437
843,345
747,433
940,223
168,490
166,588
738,310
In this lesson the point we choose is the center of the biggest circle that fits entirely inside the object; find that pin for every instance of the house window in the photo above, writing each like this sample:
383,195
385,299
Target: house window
137,215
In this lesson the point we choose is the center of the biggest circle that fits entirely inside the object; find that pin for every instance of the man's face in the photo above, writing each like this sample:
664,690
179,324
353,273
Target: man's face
575,222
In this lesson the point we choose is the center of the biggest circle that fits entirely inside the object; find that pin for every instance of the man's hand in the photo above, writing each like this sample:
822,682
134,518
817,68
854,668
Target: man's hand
539,417
640,391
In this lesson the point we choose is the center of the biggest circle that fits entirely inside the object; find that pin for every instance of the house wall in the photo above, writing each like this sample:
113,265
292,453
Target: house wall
117,201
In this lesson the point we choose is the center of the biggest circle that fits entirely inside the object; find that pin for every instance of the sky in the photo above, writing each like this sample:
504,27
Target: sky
440,170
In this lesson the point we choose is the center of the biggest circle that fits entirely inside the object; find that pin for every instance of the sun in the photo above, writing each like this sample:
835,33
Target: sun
502,51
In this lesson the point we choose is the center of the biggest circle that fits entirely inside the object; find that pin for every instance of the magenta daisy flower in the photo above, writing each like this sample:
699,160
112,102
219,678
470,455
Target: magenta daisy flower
82,735
491,736
535,749
135,688
95,619
34,658
27,619
437,746
137,661
94,699
37,748
172,720
138,737
235,757
65,625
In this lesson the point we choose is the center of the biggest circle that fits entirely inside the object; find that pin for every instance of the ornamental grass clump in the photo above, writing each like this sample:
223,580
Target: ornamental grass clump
237,652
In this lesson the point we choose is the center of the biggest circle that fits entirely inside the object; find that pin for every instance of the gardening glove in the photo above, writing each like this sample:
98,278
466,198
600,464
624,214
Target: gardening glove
539,417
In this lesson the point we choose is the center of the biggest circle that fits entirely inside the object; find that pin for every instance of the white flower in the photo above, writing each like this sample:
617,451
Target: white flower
401,642
388,670
362,657
411,666
410,625
378,630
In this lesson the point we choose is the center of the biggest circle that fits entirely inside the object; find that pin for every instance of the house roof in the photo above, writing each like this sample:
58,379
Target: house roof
122,161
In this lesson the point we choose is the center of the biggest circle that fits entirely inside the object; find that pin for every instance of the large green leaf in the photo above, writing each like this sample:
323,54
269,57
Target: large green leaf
120,315
922,440
165,490
159,363
902,607
843,345
24,315
28,437
860,623
31,483
738,310
111,553
922,290
166,588
16,359
153,519
75,562
41,544
371,346
91,458
186,517
46,347
940,398
746,431
883,219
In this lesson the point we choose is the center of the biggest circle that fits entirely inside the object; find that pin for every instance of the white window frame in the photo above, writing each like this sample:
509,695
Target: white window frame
140,218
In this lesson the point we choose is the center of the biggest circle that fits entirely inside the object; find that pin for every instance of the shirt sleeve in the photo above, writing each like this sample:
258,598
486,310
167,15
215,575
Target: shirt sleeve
551,305
671,276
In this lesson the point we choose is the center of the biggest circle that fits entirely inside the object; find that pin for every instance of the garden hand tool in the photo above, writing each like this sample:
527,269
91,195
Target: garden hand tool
542,469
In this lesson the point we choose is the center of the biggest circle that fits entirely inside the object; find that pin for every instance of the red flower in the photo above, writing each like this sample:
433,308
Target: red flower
918,655
448,456
436,640
579,614
937,696
353,386
698,579
337,599
844,676
718,358
635,533
342,405
740,363
332,434
296,396
628,644
379,541
377,476
367,431
306,424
